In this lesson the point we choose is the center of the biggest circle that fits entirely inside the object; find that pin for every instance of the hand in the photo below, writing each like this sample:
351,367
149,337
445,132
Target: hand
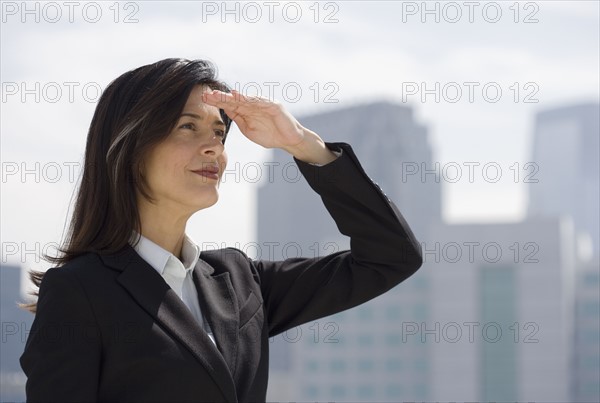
268,124
262,121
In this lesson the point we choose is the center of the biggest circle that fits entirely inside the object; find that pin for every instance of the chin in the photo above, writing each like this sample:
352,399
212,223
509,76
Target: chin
209,202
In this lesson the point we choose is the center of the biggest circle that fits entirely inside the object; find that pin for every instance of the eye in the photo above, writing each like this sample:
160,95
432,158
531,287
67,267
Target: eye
220,133
189,126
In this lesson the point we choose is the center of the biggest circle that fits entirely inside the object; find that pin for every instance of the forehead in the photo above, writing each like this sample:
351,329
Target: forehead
194,102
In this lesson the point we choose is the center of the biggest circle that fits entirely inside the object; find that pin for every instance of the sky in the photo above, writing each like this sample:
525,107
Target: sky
492,66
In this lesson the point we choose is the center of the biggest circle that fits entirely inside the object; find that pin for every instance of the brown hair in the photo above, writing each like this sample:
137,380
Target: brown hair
135,112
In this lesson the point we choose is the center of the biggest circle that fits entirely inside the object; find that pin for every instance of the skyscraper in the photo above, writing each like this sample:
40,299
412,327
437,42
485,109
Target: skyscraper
16,324
565,151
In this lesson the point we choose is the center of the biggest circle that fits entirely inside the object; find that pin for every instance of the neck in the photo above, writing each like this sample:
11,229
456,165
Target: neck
162,225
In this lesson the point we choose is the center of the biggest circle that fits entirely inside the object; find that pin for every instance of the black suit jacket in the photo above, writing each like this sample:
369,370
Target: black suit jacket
109,328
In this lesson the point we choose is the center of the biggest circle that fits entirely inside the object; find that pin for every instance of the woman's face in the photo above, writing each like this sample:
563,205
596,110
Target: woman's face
183,172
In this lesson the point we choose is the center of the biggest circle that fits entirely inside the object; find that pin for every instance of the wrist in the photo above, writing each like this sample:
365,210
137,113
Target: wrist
312,149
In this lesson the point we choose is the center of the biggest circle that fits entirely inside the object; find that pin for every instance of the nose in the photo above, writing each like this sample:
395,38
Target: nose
213,146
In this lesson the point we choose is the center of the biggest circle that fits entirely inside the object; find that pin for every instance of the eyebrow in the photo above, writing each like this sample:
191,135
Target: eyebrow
217,122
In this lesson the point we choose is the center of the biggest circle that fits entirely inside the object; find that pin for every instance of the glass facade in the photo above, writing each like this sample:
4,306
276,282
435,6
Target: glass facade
498,310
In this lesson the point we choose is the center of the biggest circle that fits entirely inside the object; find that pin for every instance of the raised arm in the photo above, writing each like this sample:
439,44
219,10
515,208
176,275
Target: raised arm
384,251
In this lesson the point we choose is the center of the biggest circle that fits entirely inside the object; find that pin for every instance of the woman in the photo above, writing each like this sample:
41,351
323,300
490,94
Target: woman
134,311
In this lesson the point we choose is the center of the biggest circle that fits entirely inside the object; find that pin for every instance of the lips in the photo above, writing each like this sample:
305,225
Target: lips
208,171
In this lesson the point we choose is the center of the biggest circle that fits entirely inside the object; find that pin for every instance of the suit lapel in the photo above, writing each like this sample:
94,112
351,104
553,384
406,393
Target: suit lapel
218,305
153,294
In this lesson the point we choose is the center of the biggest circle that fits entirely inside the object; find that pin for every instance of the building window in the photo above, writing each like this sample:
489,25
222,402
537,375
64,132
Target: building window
366,391
311,391
421,365
394,365
393,391
420,391
393,339
365,312
420,311
338,391
312,365
420,282
591,308
365,365
591,336
591,362
338,365
365,340
591,279
393,313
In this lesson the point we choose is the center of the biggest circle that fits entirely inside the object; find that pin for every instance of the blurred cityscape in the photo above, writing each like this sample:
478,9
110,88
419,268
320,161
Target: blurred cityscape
498,312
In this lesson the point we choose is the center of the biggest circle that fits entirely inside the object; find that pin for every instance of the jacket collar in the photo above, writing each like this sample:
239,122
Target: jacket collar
217,301
158,257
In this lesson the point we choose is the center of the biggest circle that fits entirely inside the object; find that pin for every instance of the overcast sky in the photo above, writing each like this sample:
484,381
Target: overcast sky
352,52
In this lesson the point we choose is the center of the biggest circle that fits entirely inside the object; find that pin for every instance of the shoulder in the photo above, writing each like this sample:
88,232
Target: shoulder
78,273
69,270
83,266
63,289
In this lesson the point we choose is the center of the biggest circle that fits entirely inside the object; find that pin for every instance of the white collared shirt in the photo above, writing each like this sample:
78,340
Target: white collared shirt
176,273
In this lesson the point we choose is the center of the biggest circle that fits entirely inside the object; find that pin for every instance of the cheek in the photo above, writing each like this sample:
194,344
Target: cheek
166,171
159,178
223,160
